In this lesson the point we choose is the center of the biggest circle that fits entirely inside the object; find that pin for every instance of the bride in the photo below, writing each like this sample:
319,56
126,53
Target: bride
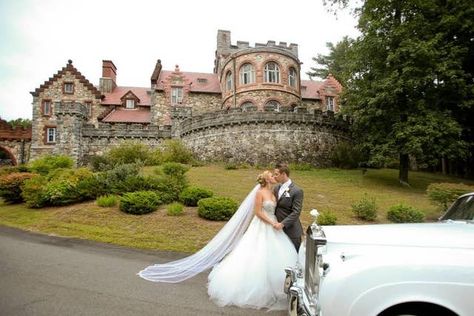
248,256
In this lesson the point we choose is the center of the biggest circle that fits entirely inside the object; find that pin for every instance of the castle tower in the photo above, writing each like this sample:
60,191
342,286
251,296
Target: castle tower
263,76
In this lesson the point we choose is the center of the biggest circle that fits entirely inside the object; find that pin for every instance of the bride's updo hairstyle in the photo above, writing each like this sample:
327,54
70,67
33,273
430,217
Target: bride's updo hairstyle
262,178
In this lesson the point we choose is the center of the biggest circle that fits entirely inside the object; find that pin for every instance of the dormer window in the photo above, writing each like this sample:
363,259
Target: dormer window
202,80
129,104
68,88
46,108
176,95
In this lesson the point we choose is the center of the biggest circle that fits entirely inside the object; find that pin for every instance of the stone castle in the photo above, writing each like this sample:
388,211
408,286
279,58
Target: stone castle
253,108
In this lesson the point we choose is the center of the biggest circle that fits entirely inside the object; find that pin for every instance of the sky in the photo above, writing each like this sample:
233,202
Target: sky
37,37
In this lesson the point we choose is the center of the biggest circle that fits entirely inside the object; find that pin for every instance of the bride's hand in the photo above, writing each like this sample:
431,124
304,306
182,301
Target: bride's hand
277,226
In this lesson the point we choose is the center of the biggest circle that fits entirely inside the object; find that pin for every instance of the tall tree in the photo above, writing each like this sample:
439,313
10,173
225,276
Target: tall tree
409,80
336,63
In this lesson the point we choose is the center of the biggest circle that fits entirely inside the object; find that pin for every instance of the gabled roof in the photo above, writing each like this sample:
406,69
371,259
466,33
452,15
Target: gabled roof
130,94
69,67
115,97
311,89
120,115
200,82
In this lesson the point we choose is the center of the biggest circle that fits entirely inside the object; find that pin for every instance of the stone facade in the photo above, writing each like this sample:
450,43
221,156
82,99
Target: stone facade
14,144
253,108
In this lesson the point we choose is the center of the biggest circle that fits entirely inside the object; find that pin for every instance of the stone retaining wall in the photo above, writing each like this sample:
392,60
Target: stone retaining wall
264,137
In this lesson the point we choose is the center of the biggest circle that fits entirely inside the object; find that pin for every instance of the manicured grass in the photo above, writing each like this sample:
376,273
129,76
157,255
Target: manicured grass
325,189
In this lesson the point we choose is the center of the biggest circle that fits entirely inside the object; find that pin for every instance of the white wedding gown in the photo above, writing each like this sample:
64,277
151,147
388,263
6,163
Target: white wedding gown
252,274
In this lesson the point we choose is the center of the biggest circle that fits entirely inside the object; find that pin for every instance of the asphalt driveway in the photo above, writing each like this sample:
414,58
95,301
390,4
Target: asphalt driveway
46,275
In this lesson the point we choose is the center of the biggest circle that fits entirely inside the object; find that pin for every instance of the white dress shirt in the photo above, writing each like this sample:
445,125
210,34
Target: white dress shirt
283,187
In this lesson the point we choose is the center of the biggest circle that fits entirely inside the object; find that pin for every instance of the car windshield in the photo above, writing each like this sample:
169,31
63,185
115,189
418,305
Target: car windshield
462,209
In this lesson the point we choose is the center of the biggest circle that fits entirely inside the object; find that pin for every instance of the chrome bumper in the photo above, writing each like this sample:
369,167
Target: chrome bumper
302,287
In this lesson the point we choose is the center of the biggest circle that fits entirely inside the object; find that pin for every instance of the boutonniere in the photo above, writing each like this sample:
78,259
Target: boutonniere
286,193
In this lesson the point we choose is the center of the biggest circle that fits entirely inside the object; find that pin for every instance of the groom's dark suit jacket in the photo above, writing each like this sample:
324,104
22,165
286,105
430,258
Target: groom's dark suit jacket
288,210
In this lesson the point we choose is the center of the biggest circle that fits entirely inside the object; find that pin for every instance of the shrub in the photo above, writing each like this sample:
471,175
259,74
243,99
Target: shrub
61,188
175,151
346,156
217,208
445,193
99,163
175,209
191,195
405,214
4,170
174,169
327,218
91,187
301,166
127,153
33,191
107,200
140,202
231,166
48,163
10,186
365,209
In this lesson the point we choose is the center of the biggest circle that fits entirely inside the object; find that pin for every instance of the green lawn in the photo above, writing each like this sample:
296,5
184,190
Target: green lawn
325,189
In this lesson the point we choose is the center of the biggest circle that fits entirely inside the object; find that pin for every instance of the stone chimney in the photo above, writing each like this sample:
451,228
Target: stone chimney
156,73
223,48
108,82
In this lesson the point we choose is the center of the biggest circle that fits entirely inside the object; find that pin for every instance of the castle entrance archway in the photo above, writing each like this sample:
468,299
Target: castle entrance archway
6,157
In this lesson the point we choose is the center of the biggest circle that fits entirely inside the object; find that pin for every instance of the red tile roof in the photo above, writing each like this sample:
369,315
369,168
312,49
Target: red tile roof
114,98
121,115
201,82
310,89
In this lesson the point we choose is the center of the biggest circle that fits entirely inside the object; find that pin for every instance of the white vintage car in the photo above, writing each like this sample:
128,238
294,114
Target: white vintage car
393,269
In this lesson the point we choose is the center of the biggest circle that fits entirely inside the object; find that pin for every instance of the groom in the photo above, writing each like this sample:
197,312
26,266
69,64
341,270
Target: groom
289,203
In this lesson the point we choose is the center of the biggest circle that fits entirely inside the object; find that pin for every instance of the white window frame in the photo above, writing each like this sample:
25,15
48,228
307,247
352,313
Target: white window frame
176,95
228,81
274,103
272,72
292,77
330,103
88,106
69,87
246,105
47,105
50,135
247,74
129,103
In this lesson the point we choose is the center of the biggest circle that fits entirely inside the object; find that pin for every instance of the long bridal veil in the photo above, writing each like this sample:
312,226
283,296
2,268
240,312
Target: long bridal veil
225,240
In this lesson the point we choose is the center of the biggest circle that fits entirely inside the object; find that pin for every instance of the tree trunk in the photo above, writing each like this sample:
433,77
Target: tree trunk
403,169
443,166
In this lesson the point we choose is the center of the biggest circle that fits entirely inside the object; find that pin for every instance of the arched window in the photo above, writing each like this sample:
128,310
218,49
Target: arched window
246,106
247,74
292,77
274,104
272,72
228,81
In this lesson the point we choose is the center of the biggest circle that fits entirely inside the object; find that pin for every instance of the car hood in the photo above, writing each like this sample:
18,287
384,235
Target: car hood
449,234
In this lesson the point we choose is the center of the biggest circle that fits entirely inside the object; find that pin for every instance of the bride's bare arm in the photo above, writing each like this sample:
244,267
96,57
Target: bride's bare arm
258,209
